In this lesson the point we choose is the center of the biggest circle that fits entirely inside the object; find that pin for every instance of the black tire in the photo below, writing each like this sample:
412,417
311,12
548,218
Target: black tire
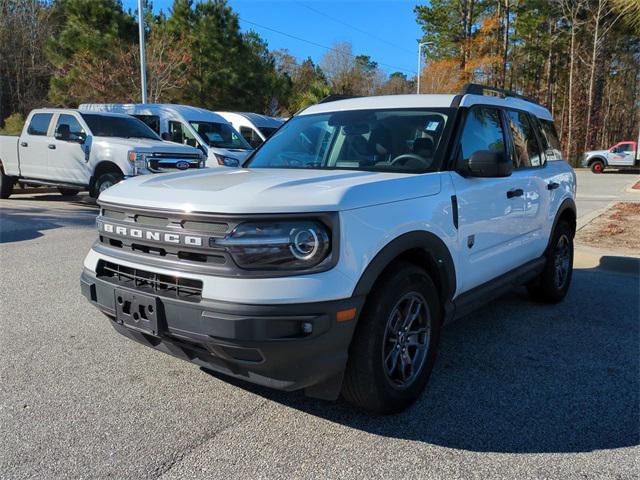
68,192
105,181
597,166
551,286
367,382
6,185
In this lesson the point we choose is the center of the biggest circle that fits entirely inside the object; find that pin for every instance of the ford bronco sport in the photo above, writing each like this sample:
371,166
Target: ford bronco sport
331,261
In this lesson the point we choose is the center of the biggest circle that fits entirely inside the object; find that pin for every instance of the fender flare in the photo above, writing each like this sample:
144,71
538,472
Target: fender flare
567,204
597,157
422,240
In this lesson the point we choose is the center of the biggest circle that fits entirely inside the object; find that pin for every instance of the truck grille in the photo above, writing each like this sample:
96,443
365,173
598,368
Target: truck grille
163,285
168,162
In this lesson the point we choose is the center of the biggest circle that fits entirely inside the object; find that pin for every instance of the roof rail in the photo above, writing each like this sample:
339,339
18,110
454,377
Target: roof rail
485,90
334,98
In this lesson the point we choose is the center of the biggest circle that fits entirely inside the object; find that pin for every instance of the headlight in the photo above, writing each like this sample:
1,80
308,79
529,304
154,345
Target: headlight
227,161
137,160
294,245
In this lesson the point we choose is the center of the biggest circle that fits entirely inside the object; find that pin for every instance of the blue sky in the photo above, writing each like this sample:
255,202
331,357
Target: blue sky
383,29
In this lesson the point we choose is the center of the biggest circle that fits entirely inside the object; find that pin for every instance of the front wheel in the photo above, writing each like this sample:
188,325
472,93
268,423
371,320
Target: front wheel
597,166
105,181
6,184
395,343
552,285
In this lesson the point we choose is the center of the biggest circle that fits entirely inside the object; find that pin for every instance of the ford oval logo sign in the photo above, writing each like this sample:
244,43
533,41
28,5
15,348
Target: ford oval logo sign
182,165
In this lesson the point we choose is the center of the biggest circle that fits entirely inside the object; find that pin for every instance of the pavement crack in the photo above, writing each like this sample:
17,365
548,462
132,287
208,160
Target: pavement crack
168,465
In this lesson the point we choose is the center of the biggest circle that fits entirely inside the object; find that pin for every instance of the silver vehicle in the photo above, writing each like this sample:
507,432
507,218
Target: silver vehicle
76,150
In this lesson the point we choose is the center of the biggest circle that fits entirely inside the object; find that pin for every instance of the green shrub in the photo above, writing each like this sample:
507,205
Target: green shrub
13,124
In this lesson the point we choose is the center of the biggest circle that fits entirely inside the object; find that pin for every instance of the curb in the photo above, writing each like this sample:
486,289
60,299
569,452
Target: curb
586,258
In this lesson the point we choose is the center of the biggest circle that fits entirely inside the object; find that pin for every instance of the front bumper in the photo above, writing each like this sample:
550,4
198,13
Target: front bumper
286,347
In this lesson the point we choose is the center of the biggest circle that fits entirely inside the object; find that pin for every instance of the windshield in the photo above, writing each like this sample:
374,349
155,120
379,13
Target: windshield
120,127
220,135
375,140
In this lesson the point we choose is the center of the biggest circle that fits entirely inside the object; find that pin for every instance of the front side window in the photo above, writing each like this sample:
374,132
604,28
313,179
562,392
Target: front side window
626,147
117,126
76,132
220,135
267,131
404,141
482,131
39,124
525,143
250,135
179,133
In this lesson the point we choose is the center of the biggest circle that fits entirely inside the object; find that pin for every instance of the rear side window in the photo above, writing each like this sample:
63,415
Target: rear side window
550,136
525,143
39,124
75,129
482,131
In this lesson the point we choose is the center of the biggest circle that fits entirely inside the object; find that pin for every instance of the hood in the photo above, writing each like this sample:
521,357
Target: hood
265,190
148,145
596,152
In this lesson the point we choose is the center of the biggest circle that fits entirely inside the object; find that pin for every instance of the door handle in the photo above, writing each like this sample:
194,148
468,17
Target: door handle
518,192
24,144
51,146
552,185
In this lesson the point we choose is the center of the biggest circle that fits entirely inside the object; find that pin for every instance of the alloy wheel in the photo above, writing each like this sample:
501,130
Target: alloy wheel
406,340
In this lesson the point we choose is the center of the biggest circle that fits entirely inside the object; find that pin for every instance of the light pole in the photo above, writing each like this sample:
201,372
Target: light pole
143,62
420,45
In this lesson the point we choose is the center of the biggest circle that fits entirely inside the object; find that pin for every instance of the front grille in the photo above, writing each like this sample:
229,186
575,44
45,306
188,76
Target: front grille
163,285
161,164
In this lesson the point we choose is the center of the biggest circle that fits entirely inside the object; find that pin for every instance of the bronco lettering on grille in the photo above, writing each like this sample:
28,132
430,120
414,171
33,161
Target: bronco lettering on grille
151,235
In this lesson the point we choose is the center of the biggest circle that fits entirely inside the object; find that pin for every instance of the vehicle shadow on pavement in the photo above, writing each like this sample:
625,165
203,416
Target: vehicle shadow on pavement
520,377
17,225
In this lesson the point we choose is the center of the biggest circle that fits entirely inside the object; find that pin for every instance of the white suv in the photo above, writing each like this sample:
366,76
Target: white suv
330,262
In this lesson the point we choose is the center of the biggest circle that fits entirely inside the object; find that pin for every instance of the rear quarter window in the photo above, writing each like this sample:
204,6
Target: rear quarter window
550,137
39,124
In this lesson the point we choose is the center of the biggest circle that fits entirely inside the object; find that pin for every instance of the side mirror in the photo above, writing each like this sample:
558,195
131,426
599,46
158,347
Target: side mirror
165,136
63,132
487,163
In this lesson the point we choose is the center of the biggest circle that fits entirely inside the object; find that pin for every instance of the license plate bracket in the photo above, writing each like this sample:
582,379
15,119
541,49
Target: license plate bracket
138,311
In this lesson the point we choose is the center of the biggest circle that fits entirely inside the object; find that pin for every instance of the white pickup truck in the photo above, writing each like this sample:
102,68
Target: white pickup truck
76,151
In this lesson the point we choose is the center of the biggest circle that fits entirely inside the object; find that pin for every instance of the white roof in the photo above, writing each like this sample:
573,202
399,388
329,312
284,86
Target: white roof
76,110
382,102
425,101
255,118
189,113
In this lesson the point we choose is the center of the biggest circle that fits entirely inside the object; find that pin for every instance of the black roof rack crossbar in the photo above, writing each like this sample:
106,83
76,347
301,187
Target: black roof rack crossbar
334,98
477,89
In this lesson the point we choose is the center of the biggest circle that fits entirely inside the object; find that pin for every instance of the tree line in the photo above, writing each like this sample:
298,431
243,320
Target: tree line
66,52
580,58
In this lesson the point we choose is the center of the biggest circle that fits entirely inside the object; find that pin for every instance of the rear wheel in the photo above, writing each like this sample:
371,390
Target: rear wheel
597,166
394,347
68,192
105,181
6,184
553,283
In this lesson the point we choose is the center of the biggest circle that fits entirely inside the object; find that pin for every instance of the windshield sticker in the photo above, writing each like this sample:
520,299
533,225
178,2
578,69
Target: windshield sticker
432,126
215,137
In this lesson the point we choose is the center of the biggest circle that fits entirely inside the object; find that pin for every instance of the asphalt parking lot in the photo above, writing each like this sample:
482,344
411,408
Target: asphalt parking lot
520,390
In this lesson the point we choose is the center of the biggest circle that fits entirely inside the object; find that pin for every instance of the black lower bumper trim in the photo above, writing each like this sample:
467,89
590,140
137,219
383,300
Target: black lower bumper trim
287,347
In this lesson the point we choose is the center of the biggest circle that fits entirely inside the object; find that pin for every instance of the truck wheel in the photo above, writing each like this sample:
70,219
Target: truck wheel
105,181
597,166
395,343
68,192
6,185
553,283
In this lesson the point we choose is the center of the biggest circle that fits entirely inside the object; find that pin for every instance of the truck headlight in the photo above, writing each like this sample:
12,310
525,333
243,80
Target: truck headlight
137,160
227,161
290,245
